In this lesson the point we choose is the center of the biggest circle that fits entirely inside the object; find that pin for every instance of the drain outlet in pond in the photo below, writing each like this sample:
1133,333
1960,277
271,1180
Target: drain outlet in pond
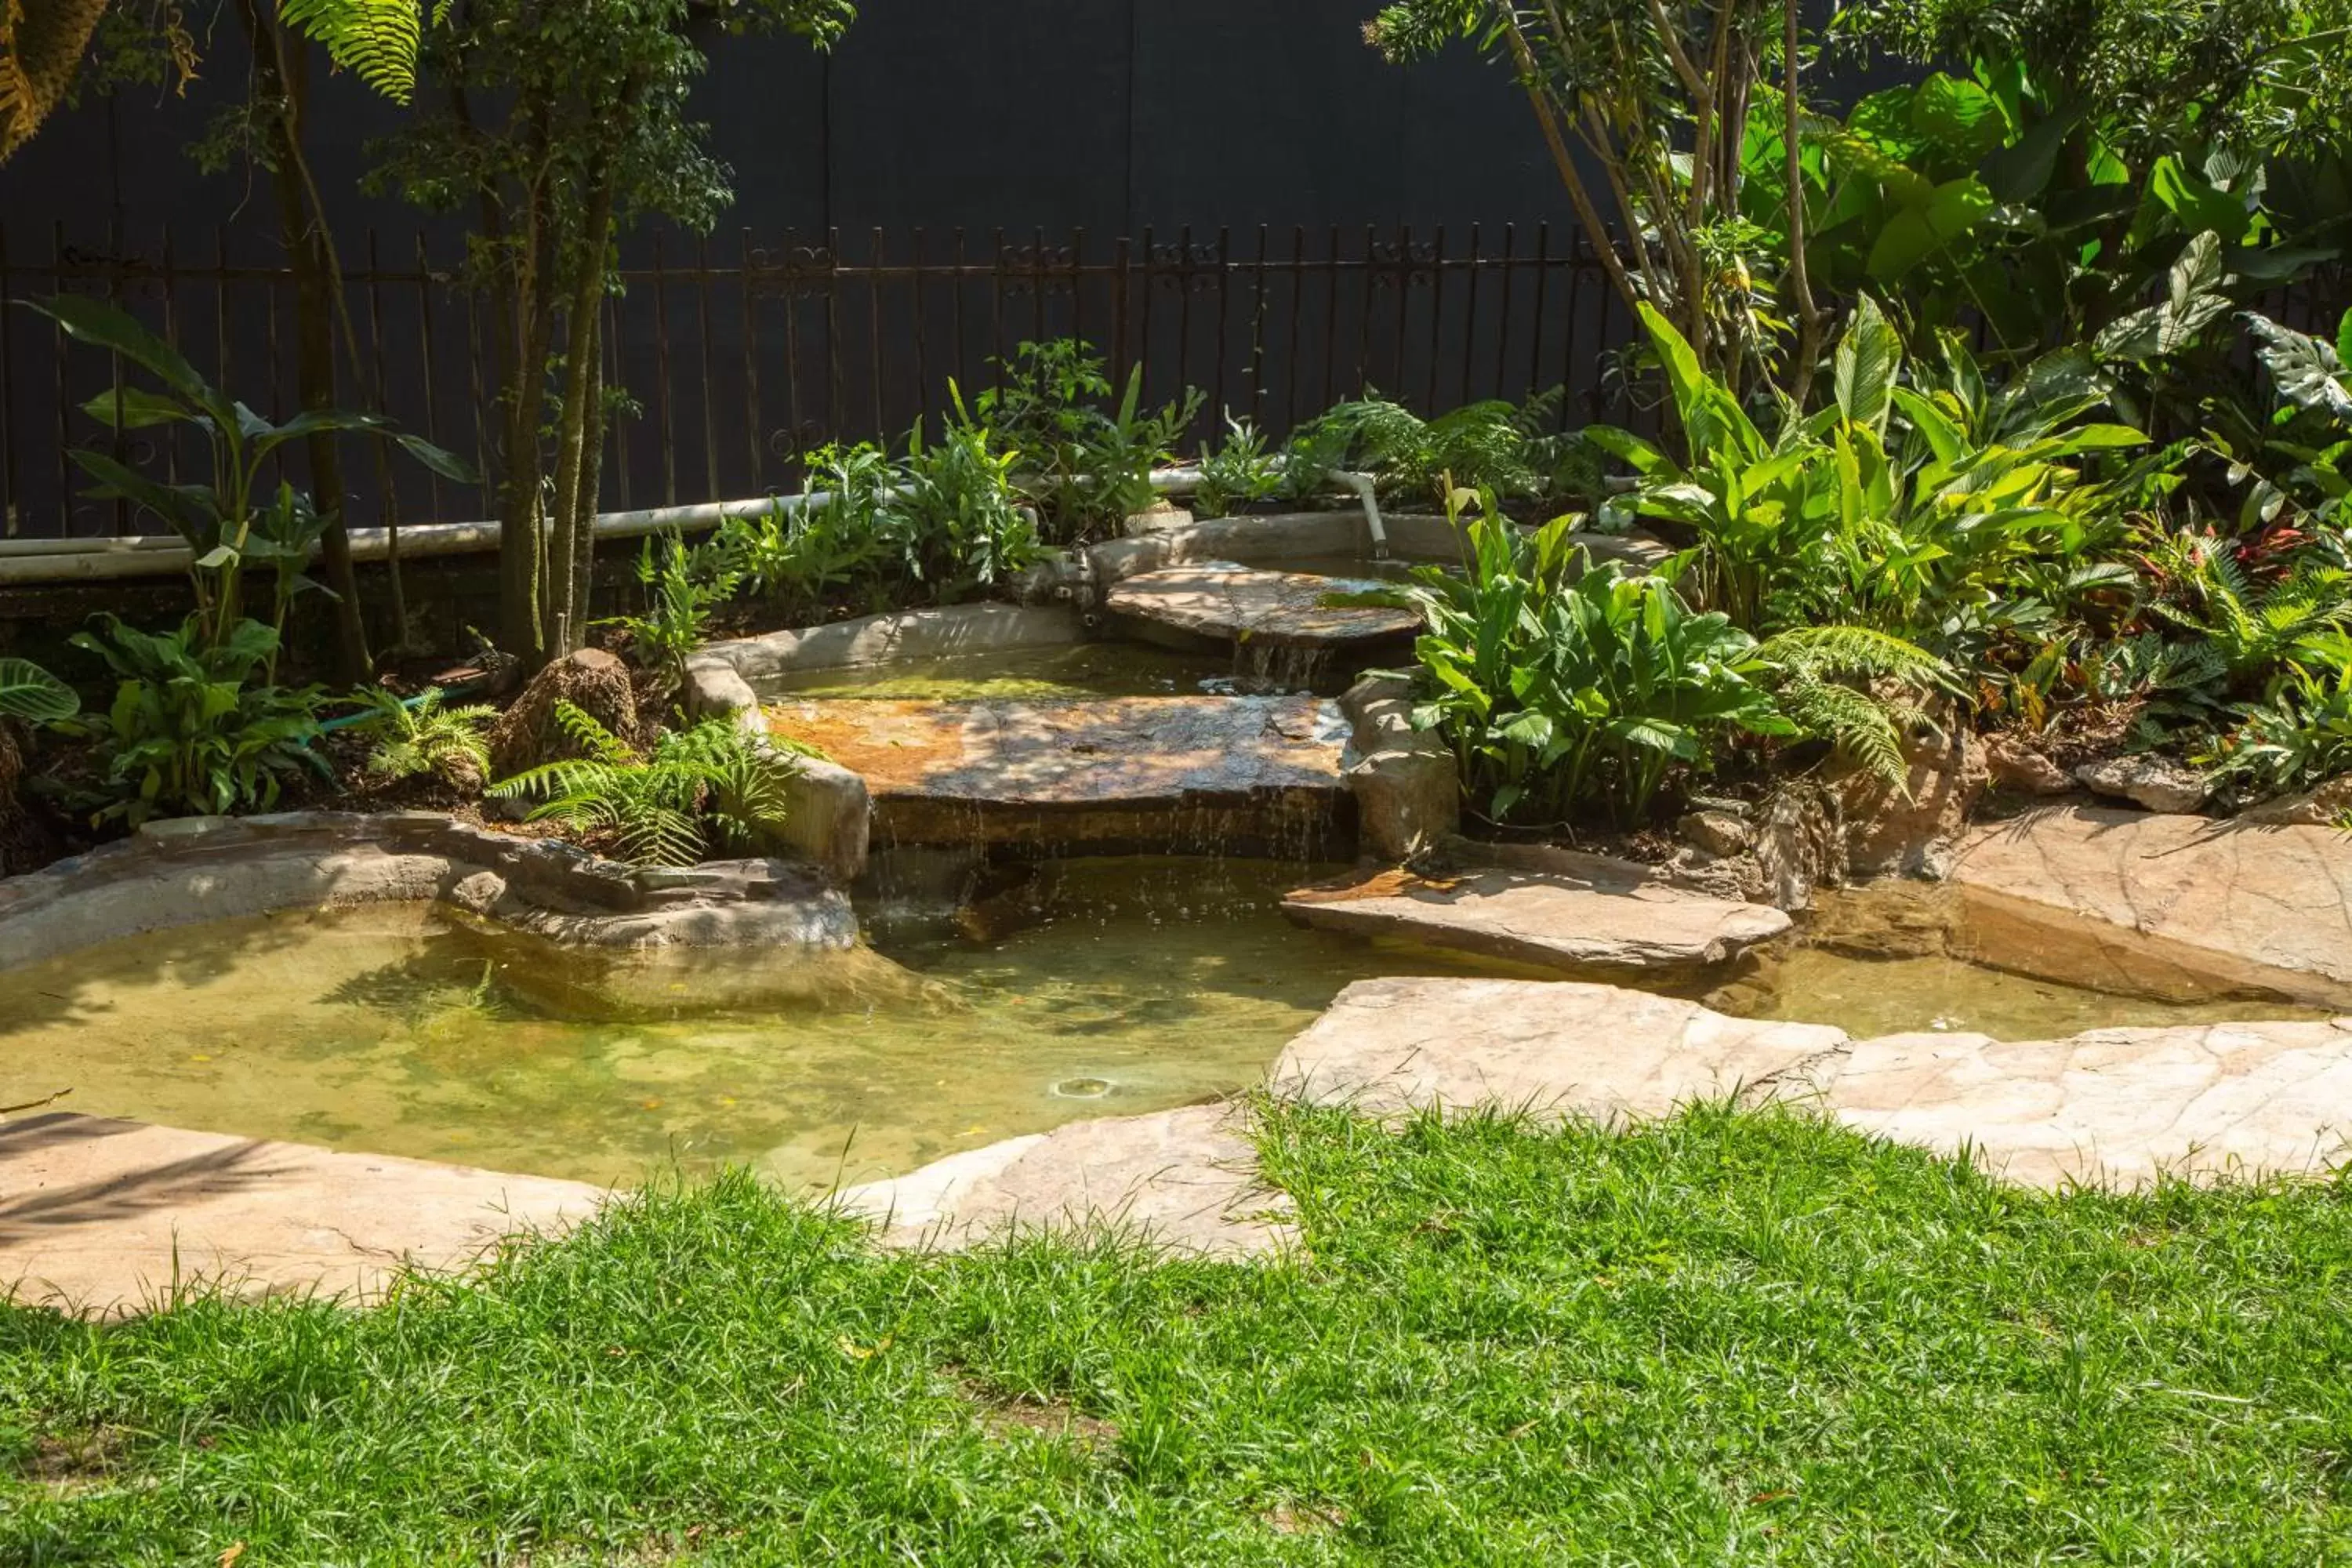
1083,1088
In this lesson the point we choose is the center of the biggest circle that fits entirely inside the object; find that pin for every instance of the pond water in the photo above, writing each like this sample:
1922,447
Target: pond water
1076,669
1097,987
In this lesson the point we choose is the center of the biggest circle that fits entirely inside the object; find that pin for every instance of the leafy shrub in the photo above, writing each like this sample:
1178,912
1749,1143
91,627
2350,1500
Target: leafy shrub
683,585
709,786
1237,471
2300,734
956,522
193,727
424,736
946,520
1088,463
1495,447
1940,512
1559,687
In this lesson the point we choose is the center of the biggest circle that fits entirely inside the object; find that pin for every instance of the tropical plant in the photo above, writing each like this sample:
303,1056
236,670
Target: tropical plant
2252,628
1561,686
954,519
422,734
2300,733
1939,512
1494,445
192,728
2312,447
683,585
1237,471
32,694
1088,463
231,524
711,785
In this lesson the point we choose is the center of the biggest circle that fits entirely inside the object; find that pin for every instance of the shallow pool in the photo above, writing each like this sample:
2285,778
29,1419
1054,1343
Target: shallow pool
1007,1004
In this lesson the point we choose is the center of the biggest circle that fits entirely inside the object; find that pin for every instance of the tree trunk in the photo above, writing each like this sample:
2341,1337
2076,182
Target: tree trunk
302,231
591,474
520,541
576,417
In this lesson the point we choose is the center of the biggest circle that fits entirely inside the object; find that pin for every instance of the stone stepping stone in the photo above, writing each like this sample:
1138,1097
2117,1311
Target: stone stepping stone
2113,1106
1184,1178
1616,917
1555,1048
1165,771
2166,906
1223,601
99,1215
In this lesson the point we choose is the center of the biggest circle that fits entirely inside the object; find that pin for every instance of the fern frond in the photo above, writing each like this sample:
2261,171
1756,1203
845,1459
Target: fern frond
1819,652
375,40
579,727
1855,722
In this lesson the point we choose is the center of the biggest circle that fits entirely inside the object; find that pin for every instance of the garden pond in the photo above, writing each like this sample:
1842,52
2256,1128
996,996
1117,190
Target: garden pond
1035,996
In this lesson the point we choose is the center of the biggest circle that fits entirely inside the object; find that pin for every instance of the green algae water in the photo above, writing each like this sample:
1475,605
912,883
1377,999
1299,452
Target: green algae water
994,1004
1116,986
1074,669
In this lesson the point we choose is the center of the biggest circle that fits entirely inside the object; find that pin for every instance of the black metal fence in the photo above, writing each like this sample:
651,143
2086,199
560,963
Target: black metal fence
741,355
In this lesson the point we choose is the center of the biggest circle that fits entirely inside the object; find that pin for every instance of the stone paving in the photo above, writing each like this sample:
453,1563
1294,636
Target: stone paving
1227,602
1162,771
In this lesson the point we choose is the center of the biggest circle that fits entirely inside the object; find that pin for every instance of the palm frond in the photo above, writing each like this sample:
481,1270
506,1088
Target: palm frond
375,40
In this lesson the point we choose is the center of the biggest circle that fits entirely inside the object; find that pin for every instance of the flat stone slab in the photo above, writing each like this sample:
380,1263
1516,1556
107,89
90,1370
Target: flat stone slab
2113,1106
101,1216
1555,1048
1615,919
1228,602
1185,1179
1180,771
2170,906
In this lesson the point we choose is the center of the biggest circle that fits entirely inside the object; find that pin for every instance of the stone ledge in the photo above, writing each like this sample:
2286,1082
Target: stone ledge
186,871
106,1217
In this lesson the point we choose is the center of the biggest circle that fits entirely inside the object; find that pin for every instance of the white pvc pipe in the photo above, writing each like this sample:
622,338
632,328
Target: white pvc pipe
163,555
1362,484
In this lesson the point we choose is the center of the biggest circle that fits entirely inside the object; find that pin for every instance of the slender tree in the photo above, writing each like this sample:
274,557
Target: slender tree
561,123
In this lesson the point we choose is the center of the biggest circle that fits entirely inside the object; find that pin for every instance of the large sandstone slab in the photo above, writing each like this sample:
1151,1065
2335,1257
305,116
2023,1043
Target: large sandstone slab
1223,601
1185,1179
1615,917
2166,906
1557,1048
2113,1106
103,1217
1143,771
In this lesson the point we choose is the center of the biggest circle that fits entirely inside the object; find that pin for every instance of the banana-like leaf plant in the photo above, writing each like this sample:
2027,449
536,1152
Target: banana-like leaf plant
231,523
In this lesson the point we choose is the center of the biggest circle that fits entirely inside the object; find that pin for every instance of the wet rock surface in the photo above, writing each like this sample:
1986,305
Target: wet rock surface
1227,602
1186,1179
1611,916
2163,905
1407,785
1170,772
183,870
101,1216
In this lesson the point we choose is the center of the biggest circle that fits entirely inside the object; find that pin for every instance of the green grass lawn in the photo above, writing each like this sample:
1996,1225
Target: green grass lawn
1727,1339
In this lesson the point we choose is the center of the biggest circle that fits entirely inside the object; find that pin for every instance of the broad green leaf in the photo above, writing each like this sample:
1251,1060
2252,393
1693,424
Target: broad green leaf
135,408
1869,355
2020,172
2201,207
31,693
445,463
109,326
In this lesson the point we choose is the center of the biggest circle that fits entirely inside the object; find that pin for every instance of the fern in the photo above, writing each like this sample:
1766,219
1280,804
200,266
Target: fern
425,737
375,40
708,785
1814,667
